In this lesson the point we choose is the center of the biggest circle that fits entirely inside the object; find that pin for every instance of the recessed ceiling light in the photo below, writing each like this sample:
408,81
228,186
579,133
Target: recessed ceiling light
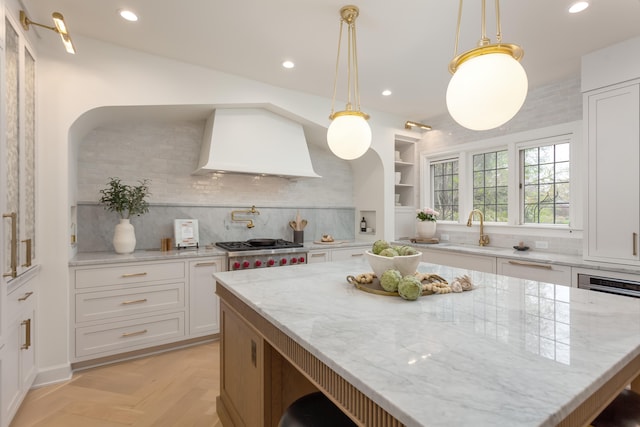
288,64
386,92
128,15
578,6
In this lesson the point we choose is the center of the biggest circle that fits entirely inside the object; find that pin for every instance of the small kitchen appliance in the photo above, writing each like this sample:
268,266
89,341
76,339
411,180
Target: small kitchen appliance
259,253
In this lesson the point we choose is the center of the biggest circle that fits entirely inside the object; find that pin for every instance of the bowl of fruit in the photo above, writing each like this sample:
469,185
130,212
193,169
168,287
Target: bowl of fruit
383,257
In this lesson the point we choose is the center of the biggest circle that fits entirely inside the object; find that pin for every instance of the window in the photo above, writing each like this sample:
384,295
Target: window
490,185
544,184
444,176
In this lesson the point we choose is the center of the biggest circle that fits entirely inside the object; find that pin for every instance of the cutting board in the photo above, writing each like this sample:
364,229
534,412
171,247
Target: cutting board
335,242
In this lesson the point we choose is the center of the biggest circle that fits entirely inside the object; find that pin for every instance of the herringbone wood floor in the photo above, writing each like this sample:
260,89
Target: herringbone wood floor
177,388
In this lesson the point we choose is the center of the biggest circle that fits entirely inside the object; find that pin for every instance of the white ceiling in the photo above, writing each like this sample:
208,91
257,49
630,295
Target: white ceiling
403,45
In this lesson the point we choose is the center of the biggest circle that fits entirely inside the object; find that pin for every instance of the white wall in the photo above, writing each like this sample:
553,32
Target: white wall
105,75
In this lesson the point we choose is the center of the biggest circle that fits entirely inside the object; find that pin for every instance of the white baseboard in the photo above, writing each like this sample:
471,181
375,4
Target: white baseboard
53,375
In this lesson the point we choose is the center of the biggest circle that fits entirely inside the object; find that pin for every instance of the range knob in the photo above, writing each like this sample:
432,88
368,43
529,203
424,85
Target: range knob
271,263
283,261
294,260
245,264
301,260
236,265
258,263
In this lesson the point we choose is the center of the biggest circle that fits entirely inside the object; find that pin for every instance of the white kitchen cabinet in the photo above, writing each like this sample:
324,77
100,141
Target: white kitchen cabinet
18,369
17,155
613,146
486,264
543,272
126,306
336,254
204,305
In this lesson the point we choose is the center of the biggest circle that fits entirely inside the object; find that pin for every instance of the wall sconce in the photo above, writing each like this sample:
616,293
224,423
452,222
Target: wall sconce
60,28
488,86
410,125
349,135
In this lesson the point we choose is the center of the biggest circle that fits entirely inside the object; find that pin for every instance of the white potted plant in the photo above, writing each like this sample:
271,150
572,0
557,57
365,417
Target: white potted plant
125,200
426,226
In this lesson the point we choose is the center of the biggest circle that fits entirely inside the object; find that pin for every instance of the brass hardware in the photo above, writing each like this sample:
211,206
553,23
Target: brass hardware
132,334
27,263
635,244
73,239
137,301
25,296
254,353
484,239
354,255
206,264
410,125
27,335
14,244
249,222
531,264
134,274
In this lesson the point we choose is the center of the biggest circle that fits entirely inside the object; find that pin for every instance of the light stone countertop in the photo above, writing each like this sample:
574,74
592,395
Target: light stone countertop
509,353
97,258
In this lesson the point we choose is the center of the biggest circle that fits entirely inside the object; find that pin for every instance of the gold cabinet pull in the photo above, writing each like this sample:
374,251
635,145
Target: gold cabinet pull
14,245
136,301
318,254
27,262
635,244
25,296
353,255
27,335
531,264
206,264
133,334
134,274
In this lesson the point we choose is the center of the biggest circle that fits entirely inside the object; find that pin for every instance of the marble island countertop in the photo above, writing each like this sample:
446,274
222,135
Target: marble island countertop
509,353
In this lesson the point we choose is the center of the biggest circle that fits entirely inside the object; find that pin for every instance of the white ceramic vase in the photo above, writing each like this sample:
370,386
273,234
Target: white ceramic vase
124,237
426,229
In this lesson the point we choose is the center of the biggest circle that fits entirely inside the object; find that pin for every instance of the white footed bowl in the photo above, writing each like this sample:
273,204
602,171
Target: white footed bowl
406,265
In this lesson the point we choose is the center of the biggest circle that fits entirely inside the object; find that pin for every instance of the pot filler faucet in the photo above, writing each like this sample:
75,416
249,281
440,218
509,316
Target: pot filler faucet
484,239
252,211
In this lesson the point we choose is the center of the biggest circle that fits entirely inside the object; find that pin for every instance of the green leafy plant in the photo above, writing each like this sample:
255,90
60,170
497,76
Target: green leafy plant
125,199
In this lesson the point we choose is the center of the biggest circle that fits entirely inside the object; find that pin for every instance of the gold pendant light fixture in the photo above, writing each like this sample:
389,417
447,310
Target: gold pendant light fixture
489,85
60,28
349,135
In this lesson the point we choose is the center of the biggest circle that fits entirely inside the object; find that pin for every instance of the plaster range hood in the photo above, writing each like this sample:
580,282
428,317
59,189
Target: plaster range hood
254,141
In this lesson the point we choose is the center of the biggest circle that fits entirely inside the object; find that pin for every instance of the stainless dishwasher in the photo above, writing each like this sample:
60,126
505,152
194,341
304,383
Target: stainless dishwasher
609,285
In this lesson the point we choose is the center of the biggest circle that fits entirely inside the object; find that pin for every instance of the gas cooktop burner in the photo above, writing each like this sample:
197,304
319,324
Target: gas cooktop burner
258,244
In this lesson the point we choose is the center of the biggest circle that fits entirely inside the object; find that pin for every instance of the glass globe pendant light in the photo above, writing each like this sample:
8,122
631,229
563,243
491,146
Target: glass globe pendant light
349,134
489,85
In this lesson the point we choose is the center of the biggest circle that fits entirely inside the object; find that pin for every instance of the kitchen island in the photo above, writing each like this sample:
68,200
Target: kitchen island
510,352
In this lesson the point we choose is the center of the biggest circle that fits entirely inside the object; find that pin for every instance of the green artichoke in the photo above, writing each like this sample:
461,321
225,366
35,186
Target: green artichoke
379,246
410,288
389,252
390,279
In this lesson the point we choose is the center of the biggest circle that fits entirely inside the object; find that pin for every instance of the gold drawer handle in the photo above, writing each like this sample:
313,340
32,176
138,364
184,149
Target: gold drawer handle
25,296
27,335
530,264
318,254
134,275
357,254
635,244
132,334
206,264
137,301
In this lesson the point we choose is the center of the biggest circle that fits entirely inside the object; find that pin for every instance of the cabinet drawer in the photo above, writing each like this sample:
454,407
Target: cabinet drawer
550,273
19,298
318,256
347,254
129,335
129,273
108,304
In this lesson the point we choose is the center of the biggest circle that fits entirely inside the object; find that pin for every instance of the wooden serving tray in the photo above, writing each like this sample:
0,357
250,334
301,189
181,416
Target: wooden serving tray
376,288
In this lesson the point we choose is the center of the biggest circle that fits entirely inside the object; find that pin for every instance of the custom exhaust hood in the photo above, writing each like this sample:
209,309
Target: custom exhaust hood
254,141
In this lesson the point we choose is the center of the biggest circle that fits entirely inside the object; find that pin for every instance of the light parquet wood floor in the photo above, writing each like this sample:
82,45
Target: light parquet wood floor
176,388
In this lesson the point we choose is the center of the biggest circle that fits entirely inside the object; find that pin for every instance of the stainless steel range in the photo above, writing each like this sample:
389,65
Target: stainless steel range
260,253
